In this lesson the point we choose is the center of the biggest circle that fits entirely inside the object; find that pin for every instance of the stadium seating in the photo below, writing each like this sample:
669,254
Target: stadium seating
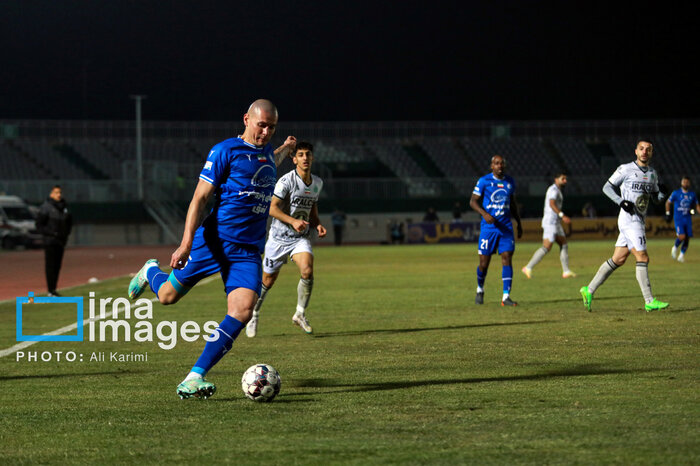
440,166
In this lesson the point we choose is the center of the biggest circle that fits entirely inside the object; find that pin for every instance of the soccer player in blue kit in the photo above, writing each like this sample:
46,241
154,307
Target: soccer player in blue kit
241,173
685,205
494,198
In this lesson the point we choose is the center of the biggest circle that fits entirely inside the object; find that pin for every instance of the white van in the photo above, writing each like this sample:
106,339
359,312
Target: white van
17,224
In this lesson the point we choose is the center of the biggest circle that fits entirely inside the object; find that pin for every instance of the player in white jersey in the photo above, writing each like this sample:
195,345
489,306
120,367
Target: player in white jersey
294,213
552,229
638,184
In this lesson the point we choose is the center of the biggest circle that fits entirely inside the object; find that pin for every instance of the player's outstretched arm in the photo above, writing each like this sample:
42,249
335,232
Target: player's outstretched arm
315,221
202,194
286,149
475,203
276,211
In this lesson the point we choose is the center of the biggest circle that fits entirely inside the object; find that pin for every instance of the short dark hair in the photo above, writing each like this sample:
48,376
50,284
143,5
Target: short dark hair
644,140
685,177
304,145
560,173
56,186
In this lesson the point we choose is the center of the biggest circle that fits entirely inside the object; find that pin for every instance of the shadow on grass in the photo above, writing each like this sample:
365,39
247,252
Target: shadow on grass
578,371
84,374
426,329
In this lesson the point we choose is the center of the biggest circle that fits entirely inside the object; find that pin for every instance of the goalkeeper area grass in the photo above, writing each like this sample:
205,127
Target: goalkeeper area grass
402,368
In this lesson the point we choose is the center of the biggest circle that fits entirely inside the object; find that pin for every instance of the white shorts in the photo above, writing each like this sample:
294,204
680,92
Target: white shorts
552,230
632,236
276,253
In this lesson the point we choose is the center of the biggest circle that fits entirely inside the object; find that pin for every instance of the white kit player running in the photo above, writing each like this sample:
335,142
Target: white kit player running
638,184
552,229
295,215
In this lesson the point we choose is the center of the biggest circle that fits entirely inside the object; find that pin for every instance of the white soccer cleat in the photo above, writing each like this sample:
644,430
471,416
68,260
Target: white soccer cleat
674,252
300,320
252,328
681,257
568,274
527,272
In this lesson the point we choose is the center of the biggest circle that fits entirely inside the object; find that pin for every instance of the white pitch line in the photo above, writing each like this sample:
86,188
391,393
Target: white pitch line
68,328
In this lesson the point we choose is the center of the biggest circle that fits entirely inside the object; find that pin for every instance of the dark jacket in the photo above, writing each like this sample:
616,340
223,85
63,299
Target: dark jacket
54,222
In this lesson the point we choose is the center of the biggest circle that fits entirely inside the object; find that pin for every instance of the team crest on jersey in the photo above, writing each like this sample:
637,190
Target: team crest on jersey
262,158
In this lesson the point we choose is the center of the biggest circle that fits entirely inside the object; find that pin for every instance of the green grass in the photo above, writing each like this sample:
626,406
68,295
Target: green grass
403,368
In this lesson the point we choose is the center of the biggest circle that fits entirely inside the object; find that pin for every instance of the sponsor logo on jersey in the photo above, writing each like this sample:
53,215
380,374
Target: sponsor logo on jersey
208,165
302,202
639,186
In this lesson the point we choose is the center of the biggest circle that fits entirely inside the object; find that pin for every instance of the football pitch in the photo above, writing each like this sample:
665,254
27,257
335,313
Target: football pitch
402,368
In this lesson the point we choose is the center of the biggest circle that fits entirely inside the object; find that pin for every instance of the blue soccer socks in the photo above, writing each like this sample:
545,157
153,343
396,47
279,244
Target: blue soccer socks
227,331
156,278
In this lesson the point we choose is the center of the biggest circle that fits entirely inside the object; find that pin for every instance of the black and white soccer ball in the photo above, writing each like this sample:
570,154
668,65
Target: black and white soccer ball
261,382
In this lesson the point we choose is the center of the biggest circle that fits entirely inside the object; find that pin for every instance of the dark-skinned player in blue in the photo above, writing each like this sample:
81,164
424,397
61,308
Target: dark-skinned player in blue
685,205
494,198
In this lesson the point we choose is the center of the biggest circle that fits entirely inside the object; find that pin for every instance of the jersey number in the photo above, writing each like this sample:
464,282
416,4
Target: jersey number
643,240
484,244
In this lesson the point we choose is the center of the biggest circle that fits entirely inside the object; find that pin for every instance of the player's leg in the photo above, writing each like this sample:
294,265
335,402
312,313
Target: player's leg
305,262
242,277
547,239
275,258
642,273
564,257
488,242
507,276
685,240
680,230
506,247
605,270
268,280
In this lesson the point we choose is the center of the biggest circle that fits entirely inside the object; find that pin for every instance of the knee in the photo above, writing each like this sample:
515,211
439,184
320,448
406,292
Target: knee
269,280
307,273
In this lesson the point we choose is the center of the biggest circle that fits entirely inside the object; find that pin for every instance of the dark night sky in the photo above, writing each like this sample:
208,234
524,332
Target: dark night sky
427,60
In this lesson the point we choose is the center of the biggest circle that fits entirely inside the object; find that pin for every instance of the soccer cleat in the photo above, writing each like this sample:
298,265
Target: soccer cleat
674,252
252,328
138,284
508,302
681,257
479,297
527,272
655,305
568,274
587,297
300,320
198,388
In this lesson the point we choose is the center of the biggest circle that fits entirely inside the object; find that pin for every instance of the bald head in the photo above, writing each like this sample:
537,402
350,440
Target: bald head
260,122
262,105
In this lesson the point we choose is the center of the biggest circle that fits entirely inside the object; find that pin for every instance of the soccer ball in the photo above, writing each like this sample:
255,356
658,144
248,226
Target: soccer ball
261,382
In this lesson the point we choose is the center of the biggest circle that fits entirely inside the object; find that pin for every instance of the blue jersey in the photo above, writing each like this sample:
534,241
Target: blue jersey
682,203
244,176
495,199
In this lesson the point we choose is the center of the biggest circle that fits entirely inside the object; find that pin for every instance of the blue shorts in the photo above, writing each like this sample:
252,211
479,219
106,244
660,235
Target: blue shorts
492,240
684,228
240,265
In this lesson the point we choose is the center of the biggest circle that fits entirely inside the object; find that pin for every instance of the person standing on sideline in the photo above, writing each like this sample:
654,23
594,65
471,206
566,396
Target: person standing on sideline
494,199
685,205
294,212
241,173
552,229
55,223
338,220
638,183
